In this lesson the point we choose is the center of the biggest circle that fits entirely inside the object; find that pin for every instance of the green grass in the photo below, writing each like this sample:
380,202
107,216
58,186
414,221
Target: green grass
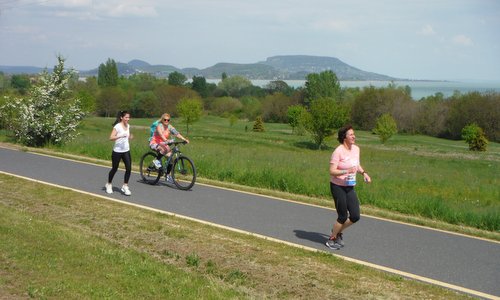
67,245
54,261
414,175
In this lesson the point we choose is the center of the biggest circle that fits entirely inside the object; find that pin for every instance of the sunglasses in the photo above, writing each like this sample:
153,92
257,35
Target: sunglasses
166,119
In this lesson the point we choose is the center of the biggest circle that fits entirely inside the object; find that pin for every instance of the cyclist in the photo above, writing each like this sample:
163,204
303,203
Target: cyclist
160,139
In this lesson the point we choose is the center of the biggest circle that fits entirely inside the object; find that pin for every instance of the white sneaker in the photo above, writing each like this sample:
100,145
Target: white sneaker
157,163
169,179
109,188
126,190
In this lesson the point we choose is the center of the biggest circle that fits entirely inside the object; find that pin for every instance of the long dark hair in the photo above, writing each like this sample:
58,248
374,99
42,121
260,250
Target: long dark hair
343,132
119,116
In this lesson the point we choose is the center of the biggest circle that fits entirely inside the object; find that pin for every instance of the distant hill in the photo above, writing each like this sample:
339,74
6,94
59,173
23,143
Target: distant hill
273,68
21,70
298,66
251,71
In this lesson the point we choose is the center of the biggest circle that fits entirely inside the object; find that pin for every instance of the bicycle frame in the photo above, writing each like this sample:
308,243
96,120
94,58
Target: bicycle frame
170,159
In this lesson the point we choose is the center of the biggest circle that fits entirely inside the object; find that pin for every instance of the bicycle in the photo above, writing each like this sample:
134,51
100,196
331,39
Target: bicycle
183,171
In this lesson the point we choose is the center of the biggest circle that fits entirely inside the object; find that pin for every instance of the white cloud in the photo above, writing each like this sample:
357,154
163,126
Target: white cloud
462,40
426,30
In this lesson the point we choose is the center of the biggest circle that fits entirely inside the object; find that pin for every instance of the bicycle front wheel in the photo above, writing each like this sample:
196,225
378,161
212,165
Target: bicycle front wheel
184,173
149,173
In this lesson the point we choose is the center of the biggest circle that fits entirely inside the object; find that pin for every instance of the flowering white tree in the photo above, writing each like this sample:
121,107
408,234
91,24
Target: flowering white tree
49,114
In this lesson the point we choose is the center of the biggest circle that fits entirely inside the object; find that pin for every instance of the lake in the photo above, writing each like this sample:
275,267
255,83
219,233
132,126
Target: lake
419,89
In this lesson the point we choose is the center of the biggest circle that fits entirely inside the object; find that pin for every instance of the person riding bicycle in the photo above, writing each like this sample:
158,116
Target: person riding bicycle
161,138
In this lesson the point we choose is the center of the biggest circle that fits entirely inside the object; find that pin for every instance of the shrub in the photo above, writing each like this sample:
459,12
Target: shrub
474,136
296,118
385,127
49,114
258,125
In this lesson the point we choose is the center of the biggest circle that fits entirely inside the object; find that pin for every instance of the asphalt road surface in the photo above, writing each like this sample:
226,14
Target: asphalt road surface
456,261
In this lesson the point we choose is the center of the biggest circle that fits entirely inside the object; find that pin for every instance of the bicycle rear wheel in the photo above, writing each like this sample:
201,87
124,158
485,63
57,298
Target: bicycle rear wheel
184,173
149,172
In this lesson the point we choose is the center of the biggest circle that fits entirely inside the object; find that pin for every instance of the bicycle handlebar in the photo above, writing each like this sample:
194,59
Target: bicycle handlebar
176,143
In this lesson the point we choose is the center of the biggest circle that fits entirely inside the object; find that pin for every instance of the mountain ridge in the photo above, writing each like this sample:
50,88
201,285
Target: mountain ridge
280,67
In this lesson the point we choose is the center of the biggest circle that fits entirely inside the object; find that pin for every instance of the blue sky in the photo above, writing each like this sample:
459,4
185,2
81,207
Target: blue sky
414,39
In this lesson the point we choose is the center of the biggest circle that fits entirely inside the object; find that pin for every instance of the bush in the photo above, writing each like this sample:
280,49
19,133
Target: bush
474,136
258,125
296,118
385,127
49,114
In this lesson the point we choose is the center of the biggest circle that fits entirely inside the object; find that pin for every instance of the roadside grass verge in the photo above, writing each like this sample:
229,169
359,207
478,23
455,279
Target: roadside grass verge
56,243
415,176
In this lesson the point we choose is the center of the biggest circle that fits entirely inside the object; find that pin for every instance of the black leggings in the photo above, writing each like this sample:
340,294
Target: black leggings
115,159
346,200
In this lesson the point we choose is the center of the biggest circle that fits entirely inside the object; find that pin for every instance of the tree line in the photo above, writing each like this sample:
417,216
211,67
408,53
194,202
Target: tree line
319,107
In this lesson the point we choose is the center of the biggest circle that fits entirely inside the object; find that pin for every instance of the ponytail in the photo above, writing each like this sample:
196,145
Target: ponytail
119,116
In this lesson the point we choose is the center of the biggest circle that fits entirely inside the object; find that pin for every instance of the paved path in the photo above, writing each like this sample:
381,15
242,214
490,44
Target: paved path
459,262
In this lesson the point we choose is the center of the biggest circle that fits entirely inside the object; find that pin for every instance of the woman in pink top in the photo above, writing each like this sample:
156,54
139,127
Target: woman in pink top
344,165
160,140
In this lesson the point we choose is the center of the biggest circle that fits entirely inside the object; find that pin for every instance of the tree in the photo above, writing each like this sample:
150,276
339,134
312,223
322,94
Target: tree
279,86
225,106
145,104
190,109
474,136
50,113
325,114
86,90
373,102
199,85
234,84
296,114
252,107
107,74
275,107
474,107
169,96
385,128
258,125
142,82
110,100
177,79
431,115
20,82
322,85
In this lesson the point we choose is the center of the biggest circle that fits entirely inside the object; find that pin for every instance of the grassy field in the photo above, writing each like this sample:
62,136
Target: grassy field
420,179
66,245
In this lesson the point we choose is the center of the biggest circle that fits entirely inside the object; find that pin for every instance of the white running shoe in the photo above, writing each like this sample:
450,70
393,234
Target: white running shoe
333,244
126,190
169,179
157,163
109,188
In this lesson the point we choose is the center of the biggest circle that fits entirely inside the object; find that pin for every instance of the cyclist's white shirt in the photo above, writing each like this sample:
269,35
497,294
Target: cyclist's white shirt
121,144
